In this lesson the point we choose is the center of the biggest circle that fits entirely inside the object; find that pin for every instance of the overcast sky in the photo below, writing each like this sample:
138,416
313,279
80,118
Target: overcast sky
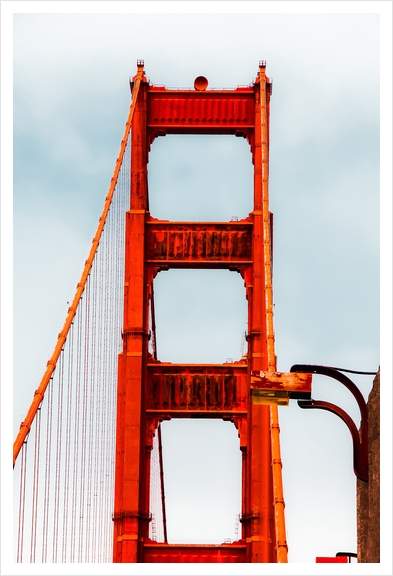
71,98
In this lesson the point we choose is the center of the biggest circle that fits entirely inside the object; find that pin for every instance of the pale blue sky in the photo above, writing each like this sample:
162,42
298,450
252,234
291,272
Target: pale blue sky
71,99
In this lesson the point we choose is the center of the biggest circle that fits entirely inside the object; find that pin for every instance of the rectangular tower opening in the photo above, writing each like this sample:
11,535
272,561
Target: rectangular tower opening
202,477
201,316
200,178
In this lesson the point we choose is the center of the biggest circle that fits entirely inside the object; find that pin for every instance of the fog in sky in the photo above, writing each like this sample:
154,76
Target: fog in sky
71,98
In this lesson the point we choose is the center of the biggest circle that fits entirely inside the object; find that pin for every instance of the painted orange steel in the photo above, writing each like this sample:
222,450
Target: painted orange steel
278,387
150,391
278,493
207,112
194,553
199,244
51,365
182,390
331,559
131,508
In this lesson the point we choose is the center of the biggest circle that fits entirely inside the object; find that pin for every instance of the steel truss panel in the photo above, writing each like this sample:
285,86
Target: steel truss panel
185,553
199,244
213,111
196,390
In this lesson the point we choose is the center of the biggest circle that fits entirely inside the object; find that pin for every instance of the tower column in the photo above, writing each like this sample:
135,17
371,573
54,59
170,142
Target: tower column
131,515
260,513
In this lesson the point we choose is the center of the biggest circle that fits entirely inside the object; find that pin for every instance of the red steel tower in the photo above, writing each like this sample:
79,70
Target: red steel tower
150,391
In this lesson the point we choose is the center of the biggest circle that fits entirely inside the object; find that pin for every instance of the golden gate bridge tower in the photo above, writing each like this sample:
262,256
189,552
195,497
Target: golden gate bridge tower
94,422
150,391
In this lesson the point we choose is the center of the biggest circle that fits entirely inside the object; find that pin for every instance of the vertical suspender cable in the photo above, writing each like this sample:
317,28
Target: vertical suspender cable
76,434
103,382
162,484
113,286
36,473
66,507
153,324
26,424
91,404
110,356
57,489
22,500
48,455
95,428
85,392
97,419
68,511
107,358
109,366
154,342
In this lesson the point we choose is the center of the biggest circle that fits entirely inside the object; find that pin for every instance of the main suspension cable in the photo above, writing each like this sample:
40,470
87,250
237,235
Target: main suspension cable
51,365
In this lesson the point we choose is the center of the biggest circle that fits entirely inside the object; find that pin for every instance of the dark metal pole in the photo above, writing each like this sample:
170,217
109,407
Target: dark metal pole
162,483
153,324
153,329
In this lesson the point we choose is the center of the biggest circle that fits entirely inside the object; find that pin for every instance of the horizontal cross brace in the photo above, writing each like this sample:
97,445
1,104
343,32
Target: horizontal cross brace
155,552
222,110
197,389
191,243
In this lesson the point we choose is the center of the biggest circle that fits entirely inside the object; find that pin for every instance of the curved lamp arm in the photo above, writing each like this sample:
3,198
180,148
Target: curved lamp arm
359,438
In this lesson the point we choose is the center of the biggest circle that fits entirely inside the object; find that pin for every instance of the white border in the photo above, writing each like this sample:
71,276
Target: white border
8,9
